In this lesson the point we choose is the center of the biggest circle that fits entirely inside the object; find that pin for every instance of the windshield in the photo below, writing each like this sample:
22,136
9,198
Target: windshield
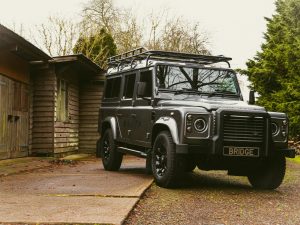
202,80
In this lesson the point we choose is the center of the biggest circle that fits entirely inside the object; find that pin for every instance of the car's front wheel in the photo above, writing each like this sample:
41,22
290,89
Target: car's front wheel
111,158
190,165
166,164
270,174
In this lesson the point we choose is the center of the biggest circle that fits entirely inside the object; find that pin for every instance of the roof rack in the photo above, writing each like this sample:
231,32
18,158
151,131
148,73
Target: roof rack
142,53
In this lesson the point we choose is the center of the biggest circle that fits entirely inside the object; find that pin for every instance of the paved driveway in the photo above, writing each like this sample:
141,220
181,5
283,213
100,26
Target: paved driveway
81,193
210,198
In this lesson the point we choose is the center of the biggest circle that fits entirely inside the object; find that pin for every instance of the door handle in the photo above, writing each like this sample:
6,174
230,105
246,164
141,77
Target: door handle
10,118
119,115
17,118
133,115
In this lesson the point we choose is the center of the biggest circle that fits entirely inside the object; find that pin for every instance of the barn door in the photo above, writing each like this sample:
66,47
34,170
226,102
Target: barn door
20,122
14,116
5,110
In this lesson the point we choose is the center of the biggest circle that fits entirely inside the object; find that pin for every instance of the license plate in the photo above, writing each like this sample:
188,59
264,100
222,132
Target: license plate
241,151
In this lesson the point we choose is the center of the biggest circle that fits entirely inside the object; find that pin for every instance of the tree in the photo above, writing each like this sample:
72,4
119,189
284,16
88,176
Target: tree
57,37
275,70
97,47
173,34
102,14
181,36
120,23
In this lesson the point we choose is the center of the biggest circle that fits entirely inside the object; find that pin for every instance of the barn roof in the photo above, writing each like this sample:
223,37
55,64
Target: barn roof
18,45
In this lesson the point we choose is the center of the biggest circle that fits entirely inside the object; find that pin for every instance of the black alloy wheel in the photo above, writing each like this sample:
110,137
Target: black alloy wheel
111,158
167,166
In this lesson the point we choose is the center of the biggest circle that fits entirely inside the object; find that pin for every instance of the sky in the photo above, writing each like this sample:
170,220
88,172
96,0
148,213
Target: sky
234,27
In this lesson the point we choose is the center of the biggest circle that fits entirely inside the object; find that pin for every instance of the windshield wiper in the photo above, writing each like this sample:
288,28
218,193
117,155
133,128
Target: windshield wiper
188,91
222,93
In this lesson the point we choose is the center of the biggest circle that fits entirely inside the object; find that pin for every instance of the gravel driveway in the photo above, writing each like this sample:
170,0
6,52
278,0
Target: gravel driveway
215,198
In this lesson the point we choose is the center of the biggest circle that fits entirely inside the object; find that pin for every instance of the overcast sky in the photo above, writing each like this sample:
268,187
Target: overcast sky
235,27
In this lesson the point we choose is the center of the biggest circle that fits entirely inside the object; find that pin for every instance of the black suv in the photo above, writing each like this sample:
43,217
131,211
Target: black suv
182,110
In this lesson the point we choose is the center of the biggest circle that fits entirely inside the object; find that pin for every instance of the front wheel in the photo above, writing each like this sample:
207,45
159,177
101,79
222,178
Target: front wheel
190,165
111,158
270,174
166,164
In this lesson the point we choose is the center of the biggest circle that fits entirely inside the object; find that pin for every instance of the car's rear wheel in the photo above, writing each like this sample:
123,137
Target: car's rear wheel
111,158
270,174
166,164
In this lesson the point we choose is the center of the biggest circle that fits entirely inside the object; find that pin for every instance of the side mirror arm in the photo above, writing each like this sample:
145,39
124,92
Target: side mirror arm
251,97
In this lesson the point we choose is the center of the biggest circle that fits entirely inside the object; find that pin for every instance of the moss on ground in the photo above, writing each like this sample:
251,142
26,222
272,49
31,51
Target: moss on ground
296,159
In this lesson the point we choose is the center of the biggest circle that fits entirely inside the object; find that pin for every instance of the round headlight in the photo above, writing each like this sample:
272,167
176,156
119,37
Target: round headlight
274,129
200,125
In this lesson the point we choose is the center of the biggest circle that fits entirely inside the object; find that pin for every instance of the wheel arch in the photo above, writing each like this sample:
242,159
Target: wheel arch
109,122
165,123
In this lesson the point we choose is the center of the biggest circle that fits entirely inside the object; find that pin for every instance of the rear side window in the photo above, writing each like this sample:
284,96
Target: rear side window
129,86
112,89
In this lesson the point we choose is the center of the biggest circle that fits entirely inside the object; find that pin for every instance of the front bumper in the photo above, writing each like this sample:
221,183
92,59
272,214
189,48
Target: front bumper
207,147
289,153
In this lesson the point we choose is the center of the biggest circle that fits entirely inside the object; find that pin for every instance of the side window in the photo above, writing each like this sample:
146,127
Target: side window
62,100
129,86
147,78
112,89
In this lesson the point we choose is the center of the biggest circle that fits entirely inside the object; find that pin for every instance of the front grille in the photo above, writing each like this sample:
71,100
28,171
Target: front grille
243,128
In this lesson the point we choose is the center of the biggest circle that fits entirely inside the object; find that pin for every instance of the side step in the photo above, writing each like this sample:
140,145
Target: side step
132,152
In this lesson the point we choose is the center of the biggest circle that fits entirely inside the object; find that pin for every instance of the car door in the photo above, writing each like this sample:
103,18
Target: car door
143,110
125,115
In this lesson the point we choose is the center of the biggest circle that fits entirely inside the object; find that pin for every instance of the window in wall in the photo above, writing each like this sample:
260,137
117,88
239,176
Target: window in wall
112,89
147,78
62,100
129,86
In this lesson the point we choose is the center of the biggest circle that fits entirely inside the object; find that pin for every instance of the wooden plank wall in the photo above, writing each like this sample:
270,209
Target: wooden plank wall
31,92
66,133
90,101
44,83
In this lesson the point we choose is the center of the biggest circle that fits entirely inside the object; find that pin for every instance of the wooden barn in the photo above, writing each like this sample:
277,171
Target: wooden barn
48,106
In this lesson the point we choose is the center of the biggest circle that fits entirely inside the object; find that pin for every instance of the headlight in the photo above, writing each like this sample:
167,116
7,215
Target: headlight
274,128
279,129
197,125
200,125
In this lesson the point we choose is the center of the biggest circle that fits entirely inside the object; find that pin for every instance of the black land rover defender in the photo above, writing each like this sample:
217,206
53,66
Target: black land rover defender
182,110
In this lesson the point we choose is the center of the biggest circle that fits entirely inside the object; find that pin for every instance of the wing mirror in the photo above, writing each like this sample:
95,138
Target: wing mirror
251,97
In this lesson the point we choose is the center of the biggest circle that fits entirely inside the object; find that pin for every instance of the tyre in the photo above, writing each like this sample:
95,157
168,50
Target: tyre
111,158
190,165
270,174
166,164
98,149
149,163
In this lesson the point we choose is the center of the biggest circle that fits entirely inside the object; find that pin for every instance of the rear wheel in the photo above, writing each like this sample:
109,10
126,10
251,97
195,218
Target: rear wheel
166,164
270,174
111,158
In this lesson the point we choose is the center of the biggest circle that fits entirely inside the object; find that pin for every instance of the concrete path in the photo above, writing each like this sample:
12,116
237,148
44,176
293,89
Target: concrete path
80,193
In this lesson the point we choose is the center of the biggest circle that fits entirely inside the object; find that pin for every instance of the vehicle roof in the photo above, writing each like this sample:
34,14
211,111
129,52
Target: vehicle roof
143,58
